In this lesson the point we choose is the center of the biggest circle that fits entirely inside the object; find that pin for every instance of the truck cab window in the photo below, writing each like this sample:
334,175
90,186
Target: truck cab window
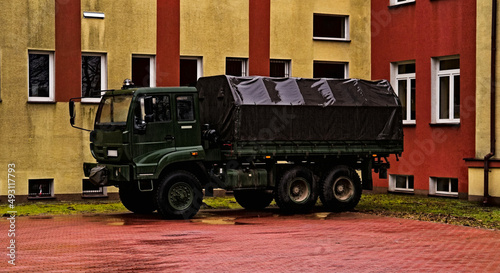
160,109
185,110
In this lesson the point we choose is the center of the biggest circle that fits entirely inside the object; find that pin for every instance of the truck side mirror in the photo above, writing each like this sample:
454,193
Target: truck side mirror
72,112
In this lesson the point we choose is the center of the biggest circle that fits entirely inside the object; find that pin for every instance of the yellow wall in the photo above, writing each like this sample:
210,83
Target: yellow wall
214,30
129,28
298,45
483,67
37,137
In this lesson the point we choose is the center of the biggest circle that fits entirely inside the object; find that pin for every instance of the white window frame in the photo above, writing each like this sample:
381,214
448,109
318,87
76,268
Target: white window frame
104,75
199,64
433,187
152,67
346,29
400,2
51,97
244,65
436,75
395,78
288,65
394,188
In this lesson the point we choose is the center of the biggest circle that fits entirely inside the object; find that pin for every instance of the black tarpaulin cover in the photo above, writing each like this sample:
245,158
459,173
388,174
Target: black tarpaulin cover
295,109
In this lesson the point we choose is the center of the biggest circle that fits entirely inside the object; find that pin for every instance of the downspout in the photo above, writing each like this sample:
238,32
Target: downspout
492,102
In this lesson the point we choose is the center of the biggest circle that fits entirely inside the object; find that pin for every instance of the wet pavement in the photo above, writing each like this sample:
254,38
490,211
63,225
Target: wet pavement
241,241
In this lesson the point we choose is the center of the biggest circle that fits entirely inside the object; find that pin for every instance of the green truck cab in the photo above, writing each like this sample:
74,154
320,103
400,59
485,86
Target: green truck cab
292,140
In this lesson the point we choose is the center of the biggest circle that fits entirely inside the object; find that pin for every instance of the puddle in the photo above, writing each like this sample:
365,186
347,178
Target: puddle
219,221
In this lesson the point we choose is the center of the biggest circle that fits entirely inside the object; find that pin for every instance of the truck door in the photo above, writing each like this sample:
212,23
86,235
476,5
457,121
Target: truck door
187,127
157,132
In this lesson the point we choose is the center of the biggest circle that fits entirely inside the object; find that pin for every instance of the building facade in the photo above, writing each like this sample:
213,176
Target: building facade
54,50
437,55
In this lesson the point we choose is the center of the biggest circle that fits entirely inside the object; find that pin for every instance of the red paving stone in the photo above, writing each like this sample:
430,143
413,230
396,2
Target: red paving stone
239,241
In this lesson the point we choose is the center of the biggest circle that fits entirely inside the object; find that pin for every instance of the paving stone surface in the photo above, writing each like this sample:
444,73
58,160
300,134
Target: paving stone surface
240,241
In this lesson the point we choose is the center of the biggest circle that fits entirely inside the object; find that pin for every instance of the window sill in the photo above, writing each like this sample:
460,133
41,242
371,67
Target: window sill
447,195
409,123
331,39
402,191
445,124
41,198
90,101
40,102
401,4
93,196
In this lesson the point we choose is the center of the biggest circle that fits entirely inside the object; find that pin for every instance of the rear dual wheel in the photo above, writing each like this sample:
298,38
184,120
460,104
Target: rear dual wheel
296,191
341,189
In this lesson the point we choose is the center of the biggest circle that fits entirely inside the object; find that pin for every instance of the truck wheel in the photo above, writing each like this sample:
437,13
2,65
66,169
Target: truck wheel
135,200
179,195
341,189
253,199
296,191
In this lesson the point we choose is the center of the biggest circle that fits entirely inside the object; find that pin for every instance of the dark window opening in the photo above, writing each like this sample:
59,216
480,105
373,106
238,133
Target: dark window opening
329,70
141,71
235,67
279,68
189,72
91,76
39,188
90,189
39,75
329,26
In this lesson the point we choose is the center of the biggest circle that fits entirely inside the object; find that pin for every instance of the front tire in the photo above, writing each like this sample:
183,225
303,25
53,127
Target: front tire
179,195
253,199
135,200
341,190
296,191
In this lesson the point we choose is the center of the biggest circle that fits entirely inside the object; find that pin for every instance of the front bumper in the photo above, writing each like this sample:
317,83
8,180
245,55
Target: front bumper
107,174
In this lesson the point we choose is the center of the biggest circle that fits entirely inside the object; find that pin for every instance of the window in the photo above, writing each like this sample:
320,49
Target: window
400,2
191,70
236,67
331,27
446,94
185,108
91,190
160,107
404,85
143,71
443,186
94,76
41,76
41,188
330,70
280,68
402,183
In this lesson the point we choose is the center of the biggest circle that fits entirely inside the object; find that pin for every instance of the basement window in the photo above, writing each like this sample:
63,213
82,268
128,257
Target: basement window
443,186
40,188
91,190
401,183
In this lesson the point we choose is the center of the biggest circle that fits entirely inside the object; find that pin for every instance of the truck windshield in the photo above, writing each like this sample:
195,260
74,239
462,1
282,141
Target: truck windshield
113,110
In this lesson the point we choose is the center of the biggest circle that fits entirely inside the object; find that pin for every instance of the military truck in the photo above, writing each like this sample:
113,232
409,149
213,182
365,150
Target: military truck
288,139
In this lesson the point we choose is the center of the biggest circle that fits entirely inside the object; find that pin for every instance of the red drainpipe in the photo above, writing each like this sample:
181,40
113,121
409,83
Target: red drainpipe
492,102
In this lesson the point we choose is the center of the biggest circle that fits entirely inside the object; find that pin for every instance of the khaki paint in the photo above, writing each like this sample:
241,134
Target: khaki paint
483,77
214,30
298,45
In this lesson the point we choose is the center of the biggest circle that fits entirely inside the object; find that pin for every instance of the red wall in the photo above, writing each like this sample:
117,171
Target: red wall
168,43
260,31
420,31
68,56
